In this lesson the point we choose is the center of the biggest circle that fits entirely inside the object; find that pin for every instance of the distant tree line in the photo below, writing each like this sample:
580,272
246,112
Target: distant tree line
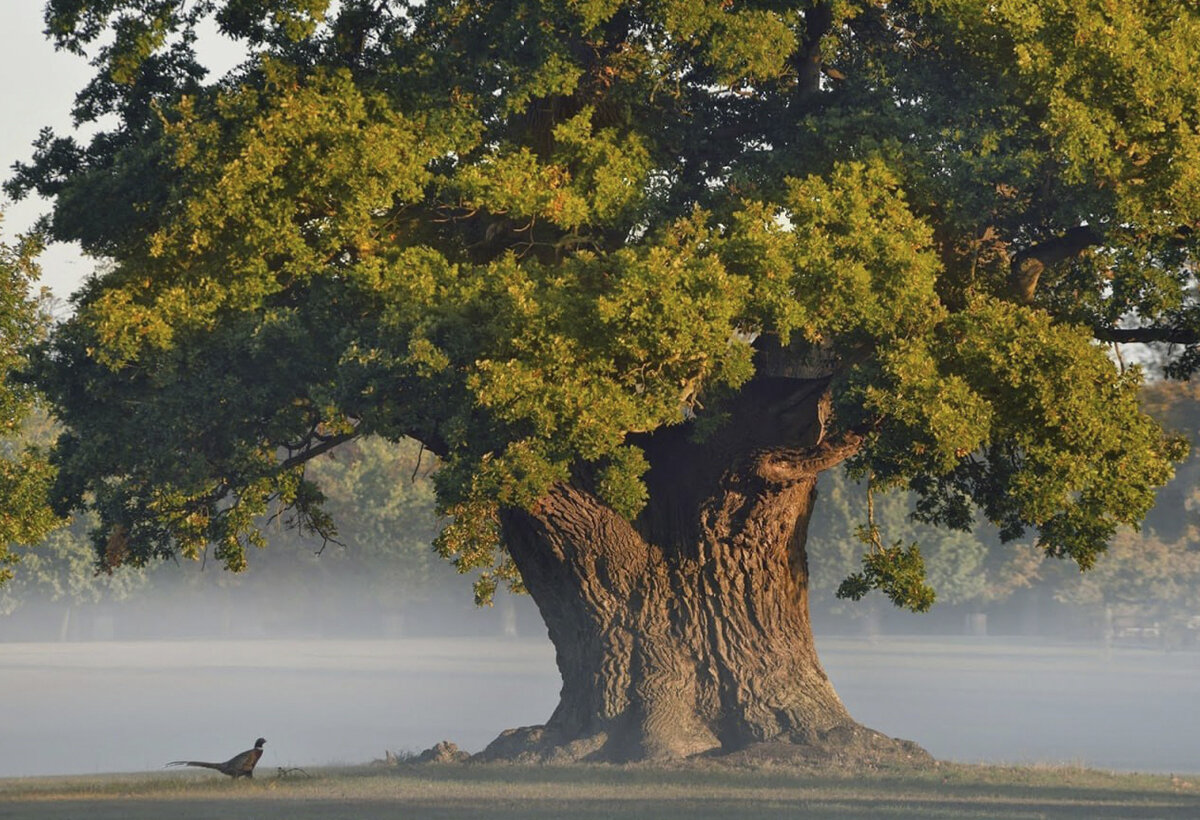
372,574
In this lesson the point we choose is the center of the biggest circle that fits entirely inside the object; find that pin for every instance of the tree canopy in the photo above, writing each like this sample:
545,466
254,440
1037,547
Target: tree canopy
528,232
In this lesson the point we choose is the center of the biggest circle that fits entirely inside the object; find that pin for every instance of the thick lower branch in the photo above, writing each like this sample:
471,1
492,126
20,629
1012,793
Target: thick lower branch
1148,335
1029,264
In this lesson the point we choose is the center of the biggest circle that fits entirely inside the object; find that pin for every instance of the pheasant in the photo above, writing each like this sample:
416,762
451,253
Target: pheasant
241,765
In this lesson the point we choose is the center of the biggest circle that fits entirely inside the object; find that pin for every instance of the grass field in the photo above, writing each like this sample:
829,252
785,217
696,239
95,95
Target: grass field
495,792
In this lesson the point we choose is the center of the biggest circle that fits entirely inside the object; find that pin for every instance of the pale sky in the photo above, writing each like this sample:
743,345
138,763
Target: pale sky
38,87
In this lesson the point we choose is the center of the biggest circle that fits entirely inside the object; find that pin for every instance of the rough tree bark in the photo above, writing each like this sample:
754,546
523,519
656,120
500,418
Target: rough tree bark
687,631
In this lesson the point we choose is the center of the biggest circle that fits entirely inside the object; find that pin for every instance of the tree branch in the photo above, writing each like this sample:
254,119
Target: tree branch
326,444
1028,265
1146,335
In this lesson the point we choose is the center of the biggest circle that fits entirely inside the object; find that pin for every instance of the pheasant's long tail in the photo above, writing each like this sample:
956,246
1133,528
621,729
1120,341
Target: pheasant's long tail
199,763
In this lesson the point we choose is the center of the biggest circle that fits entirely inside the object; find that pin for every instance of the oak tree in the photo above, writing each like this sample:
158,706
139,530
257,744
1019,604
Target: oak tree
636,272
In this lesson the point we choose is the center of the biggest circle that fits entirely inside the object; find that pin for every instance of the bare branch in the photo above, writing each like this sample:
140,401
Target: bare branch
326,540
420,452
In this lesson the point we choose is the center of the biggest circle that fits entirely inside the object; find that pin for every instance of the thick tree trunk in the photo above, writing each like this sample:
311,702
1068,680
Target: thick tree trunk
687,631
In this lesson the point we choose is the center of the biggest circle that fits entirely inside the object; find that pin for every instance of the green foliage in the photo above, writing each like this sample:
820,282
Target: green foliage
526,233
619,481
22,322
25,472
896,571
1154,571
1119,111
843,260
1055,457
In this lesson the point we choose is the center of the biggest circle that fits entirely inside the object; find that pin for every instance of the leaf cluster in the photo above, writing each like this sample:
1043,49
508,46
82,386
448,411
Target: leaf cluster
896,571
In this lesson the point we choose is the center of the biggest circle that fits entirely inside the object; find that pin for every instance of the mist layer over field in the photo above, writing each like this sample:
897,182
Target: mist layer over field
104,706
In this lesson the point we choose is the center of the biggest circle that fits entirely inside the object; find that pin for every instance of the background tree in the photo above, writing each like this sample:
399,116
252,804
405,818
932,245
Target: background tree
25,474
637,273
963,568
1146,583
1152,577
382,567
382,493
1176,404
61,569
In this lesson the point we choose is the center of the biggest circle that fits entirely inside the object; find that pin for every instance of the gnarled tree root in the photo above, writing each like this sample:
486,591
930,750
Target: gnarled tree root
848,746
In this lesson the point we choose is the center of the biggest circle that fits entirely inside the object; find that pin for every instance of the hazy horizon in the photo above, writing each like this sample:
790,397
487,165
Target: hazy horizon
461,674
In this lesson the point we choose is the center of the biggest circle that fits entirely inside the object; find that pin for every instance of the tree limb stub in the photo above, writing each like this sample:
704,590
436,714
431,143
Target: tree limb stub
792,464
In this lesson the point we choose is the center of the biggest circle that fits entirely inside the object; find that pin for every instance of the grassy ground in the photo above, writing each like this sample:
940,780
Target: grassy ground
592,792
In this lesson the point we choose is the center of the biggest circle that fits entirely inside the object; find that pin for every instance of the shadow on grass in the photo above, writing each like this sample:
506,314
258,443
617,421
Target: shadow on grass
585,809
497,792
